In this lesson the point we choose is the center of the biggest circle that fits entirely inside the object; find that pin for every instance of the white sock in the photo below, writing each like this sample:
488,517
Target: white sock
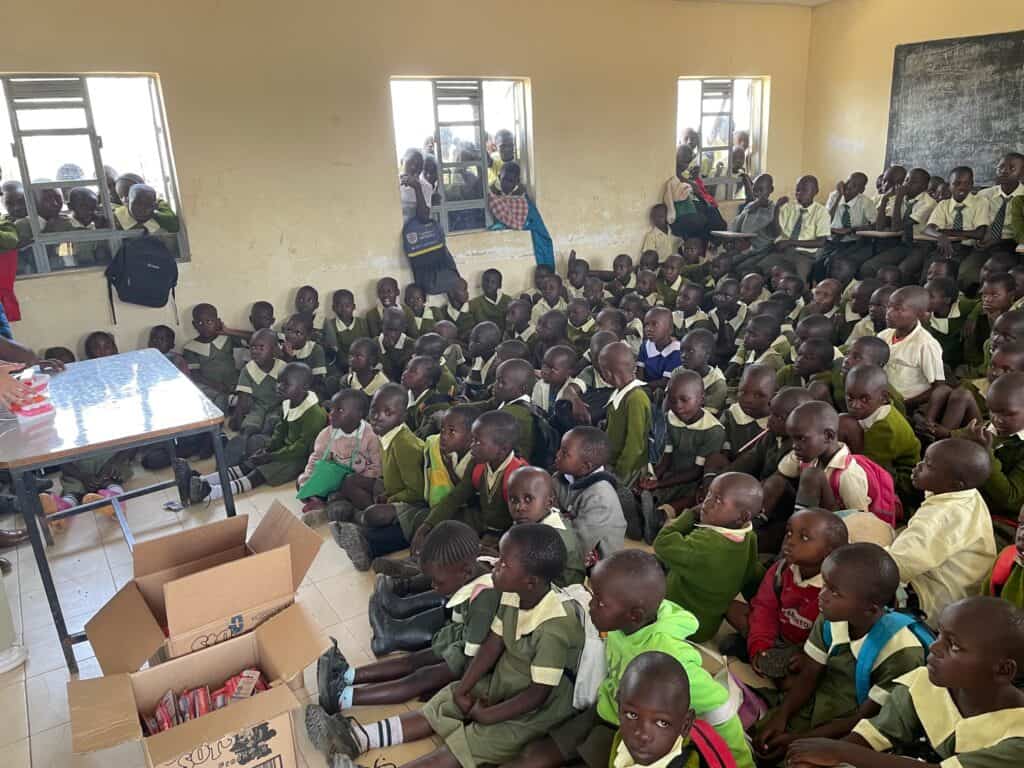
233,473
383,733
237,486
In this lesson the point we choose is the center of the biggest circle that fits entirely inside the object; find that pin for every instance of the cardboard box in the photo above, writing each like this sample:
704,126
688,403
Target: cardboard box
205,585
255,732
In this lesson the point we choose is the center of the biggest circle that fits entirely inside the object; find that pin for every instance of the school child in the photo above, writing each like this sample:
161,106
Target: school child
580,326
519,325
531,499
688,314
845,272
577,272
552,331
418,319
695,352
915,360
760,457
210,356
492,305
647,287
550,298
825,297
964,216
629,608
850,211
449,561
261,315
596,295
307,305
1006,579
454,356
623,277
801,227
649,261
778,306
387,296
385,527
874,322
512,389
516,688
161,337
747,418
694,435
446,454
753,290
258,409
587,493
145,210
555,377
420,378
813,365
347,441
634,308
710,551
432,345
659,354
670,280
948,546
948,310
826,697
728,319
658,238
905,209
786,604
344,328
943,711
284,456
590,375
873,427
364,371
939,190
757,218
457,309
299,347
395,345
756,348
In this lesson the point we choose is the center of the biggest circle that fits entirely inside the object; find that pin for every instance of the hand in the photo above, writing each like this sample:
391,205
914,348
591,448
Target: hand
480,713
418,538
11,389
572,255
771,732
580,412
841,231
647,483
408,181
976,432
945,246
810,752
464,701
781,202
841,188
796,663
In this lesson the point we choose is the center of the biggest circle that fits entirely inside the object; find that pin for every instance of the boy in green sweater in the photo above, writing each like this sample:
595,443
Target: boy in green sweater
629,608
711,551
812,367
283,458
513,386
386,527
493,304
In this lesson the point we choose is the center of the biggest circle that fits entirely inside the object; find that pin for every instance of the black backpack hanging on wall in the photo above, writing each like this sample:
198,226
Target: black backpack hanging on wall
143,272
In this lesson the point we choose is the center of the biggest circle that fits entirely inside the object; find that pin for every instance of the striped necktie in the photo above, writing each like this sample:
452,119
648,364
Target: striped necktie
958,217
798,226
995,230
847,221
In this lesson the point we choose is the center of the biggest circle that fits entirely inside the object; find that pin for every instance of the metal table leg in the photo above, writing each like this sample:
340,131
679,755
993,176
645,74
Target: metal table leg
31,511
222,471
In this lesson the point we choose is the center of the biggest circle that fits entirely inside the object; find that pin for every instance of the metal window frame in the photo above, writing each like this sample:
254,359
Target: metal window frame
59,90
728,181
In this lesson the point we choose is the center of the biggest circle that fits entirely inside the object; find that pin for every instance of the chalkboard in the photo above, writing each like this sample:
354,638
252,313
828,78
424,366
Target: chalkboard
957,102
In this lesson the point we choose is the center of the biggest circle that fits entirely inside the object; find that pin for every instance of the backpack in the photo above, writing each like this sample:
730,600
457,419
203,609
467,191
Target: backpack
143,272
479,469
885,504
713,751
421,237
1002,569
657,438
593,666
883,631
546,440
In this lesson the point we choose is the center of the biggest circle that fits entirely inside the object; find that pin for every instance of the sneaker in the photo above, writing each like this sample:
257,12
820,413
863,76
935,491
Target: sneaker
349,537
332,734
340,511
183,475
198,490
105,493
312,517
51,504
330,677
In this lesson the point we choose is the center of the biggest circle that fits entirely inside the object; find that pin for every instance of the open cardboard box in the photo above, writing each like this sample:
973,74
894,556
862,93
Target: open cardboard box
254,732
205,585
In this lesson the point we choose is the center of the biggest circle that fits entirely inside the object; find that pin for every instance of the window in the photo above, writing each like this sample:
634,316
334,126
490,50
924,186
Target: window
467,128
723,119
66,138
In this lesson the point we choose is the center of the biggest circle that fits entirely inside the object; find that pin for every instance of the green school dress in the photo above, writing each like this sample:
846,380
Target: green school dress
261,386
402,469
473,608
889,440
313,355
339,335
689,446
214,360
541,645
740,428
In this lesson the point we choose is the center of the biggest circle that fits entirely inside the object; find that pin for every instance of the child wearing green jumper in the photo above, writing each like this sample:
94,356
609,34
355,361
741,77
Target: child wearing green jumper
711,551
518,686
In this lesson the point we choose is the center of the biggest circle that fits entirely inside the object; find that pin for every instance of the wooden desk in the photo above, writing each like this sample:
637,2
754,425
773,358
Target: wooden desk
112,403
878,234
723,234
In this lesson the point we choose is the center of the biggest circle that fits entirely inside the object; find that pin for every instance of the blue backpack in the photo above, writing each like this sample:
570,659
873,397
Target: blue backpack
883,631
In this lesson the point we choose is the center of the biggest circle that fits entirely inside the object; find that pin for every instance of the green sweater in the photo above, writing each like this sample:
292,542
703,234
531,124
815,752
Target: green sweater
489,514
706,570
628,426
339,336
838,386
1004,489
290,446
483,310
402,464
892,443
788,377
974,343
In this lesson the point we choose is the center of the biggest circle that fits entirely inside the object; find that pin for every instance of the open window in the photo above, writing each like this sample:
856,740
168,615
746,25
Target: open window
70,137
467,129
724,119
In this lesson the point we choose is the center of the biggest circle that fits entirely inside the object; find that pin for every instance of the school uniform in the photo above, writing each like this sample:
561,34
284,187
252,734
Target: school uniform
665,243
351,381
461,316
757,222
261,386
580,335
1007,586
473,607
542,645
707,566
863,327
658,363
592,504
214,360
574,571
738,322
440,479
634,334
975,212
670,291
915,361
853,481
860,212
685,323
402,471
654,299
374,320
419,324
489,487
480,373
629,423
339,335
784,609
889,440
519,409
484,309
164,221
689,446
905,253
421,409
394,359
544,396
946,549
845,320
798,223
1004,488
770,357
453,357
761,460
528,336
592,379
293,440
1001,223
542,307
740,428
312,354
837,385
919,711
788,377
715,390
948,330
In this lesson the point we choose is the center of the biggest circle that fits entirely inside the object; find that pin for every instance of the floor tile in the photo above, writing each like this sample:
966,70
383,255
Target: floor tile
16,755
52,749
13,714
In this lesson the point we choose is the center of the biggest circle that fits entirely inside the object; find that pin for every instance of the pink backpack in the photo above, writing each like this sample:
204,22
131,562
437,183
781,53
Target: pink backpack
885,504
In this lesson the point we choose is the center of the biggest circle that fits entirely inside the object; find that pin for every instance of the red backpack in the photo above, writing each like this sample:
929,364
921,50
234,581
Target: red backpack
1002,569
885,504
479,469
713,750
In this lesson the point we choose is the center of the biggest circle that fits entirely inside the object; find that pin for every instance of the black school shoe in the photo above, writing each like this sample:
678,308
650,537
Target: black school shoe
183,474
330,677
332,734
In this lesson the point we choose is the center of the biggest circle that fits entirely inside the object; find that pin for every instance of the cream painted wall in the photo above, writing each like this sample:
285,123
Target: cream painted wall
281,127
850,71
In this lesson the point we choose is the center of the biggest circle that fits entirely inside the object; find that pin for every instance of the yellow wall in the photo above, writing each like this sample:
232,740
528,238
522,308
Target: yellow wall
850,71
280,120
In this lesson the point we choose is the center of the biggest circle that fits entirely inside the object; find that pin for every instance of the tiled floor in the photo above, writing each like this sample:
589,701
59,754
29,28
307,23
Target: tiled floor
90,561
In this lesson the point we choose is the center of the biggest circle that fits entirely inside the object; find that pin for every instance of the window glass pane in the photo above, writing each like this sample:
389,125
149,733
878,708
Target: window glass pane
45,155
715,163
41,119
688,108
458,113
715,131
713,104
461,221
741,114
503,122
460,144
412,107
462,184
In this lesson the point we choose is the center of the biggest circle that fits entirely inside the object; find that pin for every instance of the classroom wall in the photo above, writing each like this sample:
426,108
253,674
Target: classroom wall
280,120
850,72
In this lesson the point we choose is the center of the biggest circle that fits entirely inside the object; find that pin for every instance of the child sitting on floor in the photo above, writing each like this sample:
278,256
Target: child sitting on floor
211,356
711,551
812,367
757,347
517,687
825,697
555,376
659,354
447,454
687,314
421,377
347,441
344,328
941,712
364,371
580,326
395,345
550,298
387,296
1006,579
283,458
449,561
483,340
307,305
531,499
915,361
695,352
747,418
258,409
299,347
492,305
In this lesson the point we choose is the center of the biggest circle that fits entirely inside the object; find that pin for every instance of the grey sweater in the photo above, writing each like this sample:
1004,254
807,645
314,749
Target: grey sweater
592,504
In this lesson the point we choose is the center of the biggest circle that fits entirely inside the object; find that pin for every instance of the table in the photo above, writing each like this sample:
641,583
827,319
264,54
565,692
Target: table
723,234
120,402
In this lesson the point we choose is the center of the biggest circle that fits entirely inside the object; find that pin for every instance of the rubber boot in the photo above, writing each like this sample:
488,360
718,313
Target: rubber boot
403,569
404,607
403,587
414,634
